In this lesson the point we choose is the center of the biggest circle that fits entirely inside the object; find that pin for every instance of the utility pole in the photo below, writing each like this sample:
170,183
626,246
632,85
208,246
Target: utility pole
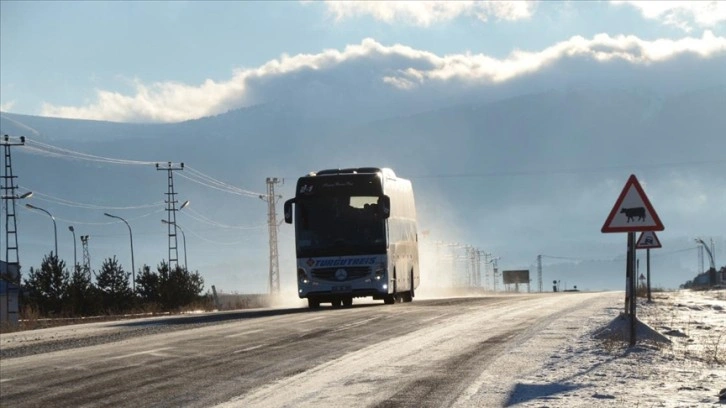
171,210
272,225
539,272
712,270
495,270
8,196
477,263
486,269
475,266
75,258
86,257
467,267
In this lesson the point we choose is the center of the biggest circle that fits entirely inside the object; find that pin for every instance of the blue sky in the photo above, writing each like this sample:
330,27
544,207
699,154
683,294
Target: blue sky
57,57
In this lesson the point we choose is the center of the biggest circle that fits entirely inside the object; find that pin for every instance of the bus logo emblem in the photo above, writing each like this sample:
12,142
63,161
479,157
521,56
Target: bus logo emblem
341,274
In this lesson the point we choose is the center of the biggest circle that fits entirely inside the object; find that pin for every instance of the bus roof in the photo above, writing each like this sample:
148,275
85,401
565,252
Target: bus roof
358,170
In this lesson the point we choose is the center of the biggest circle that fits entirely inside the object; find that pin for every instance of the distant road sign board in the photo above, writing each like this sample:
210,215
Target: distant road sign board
518,276
648,240
632,211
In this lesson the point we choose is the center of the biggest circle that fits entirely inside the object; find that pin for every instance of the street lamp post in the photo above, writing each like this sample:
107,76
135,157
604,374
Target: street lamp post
55,229
184,240
18,197
131,239
710,259
75,257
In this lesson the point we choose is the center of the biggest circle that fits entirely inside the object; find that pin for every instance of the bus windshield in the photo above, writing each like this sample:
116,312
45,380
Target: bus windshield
337,225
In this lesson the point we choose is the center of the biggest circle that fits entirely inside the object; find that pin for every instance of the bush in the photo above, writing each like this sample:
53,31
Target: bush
171,290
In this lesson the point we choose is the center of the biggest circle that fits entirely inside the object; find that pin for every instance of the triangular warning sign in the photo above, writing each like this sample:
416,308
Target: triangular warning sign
632,211
648,240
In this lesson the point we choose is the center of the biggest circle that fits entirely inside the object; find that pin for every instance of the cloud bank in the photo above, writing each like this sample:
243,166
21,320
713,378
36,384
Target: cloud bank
7,106
681,14
427,13
371,66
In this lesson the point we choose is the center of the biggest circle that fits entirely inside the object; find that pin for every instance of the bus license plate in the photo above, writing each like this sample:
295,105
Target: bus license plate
341,289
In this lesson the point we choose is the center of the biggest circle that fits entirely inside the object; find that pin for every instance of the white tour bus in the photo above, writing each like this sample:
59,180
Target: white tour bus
355,236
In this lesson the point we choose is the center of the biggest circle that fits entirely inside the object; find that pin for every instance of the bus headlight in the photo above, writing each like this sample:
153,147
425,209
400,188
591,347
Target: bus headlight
302,276
380,271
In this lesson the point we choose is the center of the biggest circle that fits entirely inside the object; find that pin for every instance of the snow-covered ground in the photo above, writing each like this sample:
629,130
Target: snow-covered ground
556,362
690,371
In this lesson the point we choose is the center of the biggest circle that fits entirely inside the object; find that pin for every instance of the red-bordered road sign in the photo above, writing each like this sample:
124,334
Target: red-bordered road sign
648,240
632,211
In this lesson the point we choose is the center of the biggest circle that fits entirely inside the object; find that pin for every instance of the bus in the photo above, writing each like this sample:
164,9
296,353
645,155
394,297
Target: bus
355,236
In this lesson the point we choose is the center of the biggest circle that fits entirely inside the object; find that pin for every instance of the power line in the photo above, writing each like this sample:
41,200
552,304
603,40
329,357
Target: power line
566,258
68,203
220,184
194,175
189,212
217,242
106,223
72,154
574,170
660,254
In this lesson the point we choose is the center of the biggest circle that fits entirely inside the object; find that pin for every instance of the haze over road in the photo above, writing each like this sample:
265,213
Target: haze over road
465,351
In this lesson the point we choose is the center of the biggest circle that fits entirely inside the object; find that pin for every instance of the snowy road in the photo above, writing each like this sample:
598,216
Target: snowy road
438,352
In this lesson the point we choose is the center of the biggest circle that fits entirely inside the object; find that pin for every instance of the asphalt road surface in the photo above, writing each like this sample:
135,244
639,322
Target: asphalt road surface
457,352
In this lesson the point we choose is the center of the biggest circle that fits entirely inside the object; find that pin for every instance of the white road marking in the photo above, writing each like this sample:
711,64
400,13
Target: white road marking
312,319
243,333
248,349
354,324
431,318
154,352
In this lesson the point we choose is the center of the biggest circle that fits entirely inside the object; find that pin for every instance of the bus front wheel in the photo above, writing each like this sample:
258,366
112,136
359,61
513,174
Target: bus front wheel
408,296
313,303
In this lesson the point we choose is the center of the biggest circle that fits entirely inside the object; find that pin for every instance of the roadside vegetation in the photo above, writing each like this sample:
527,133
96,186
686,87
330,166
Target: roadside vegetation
53,295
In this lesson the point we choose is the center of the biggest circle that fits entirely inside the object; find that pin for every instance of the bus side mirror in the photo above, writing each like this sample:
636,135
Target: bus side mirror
288,210
385,206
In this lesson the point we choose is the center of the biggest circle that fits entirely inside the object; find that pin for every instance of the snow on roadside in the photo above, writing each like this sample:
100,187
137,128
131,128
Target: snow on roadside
689,372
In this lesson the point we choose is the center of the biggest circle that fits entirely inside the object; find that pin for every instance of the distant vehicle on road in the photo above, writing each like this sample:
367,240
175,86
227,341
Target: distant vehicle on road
355,236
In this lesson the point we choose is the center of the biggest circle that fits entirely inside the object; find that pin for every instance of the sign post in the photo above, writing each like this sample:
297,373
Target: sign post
632,213
648,240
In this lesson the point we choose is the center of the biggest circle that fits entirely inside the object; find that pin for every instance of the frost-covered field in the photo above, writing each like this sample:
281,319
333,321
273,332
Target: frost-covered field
688,372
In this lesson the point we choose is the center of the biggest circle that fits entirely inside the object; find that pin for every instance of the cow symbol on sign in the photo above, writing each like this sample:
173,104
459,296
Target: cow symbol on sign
648,240
631,213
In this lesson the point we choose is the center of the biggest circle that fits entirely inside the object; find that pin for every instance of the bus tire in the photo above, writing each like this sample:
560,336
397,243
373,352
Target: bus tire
313,303
389,299
410,294
347,302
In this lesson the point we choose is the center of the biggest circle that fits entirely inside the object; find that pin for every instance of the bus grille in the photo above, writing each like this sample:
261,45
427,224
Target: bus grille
352,272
